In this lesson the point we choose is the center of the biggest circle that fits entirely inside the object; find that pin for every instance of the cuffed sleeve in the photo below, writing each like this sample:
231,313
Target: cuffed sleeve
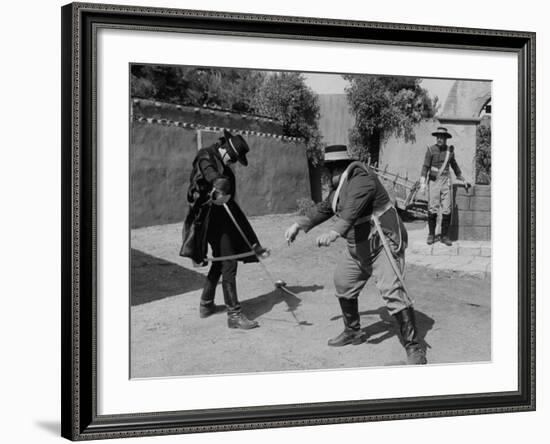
342,226
209,170
318,214
455,167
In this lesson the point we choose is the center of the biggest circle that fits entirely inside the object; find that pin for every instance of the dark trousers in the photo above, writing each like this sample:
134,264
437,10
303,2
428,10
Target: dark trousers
227,270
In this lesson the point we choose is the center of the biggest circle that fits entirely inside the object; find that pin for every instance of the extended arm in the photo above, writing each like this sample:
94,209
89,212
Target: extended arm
316,215
456,168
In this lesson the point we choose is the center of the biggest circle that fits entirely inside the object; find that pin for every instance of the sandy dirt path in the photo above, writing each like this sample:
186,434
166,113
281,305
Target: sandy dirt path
168,338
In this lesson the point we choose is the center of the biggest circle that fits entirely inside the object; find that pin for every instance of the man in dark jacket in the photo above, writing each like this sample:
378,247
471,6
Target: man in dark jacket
363,211
436,172
212,219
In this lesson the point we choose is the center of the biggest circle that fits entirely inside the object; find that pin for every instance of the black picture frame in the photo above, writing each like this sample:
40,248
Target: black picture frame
80,420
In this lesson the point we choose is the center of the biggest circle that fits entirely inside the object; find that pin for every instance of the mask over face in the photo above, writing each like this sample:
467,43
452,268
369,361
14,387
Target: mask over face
226,158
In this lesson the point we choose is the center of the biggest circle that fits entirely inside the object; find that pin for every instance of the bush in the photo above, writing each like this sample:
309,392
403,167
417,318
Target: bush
304,205
286,97
483,155
382,106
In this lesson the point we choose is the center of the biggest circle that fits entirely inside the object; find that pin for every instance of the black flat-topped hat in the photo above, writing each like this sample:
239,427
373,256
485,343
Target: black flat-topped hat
334,153
441,131
236,147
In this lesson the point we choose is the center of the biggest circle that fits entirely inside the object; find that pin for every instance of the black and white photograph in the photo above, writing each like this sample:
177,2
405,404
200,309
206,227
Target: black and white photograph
275,222
293,221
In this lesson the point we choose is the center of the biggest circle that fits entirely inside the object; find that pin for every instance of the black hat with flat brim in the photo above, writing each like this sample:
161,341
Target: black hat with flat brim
441,131
236,147
336,153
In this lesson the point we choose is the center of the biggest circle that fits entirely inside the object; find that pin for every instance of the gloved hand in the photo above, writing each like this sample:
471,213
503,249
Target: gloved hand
220,191
219,198
222,184
291,233
467,184
327,238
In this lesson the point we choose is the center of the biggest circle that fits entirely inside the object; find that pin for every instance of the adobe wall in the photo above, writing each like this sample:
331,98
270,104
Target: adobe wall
161,155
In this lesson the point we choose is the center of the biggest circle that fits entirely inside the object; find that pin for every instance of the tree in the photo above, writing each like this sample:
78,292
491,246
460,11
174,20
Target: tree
282,96
286,97
383,106
225,88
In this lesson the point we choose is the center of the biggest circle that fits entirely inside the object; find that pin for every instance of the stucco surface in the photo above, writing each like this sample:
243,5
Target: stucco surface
161,159
466,98
335,119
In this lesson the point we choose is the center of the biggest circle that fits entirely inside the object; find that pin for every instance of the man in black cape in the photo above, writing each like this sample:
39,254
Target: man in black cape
215,218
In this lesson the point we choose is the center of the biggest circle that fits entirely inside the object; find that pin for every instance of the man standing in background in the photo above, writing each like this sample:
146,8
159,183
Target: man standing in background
437,176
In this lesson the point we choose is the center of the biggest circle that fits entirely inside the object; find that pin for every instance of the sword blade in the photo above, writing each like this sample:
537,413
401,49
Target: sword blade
390,257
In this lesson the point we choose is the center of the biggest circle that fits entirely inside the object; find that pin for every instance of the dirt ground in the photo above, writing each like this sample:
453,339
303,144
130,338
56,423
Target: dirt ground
169,339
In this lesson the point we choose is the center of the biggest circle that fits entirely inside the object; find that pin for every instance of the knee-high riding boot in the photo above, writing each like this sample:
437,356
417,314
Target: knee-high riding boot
445,223
432,222
407,329
352,333
235,316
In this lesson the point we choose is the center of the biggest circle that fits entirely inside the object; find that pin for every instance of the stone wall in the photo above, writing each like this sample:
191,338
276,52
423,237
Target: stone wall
472,213
161,155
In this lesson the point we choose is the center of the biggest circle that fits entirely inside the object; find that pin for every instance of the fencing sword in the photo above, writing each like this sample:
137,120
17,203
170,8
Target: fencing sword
230,257
278,283
390,257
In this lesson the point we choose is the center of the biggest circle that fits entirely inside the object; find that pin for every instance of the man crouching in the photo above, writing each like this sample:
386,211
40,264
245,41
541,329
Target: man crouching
364,212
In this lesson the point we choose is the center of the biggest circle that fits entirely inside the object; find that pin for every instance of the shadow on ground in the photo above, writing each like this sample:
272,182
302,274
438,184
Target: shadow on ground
263,304
386,327
154,278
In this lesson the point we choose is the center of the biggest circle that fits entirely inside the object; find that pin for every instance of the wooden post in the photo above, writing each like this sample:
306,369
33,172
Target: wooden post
199,139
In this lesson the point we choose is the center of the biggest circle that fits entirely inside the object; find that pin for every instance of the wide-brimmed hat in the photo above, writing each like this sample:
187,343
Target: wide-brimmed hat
441,131
236,147
335,153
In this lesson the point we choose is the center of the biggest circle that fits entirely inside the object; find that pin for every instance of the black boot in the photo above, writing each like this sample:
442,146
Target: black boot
432,222
235,316
207,306
352,333
407,329
445,223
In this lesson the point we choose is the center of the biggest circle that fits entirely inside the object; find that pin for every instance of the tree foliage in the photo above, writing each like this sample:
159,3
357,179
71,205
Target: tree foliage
286,97
385,106
282,96
213,87
483,154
